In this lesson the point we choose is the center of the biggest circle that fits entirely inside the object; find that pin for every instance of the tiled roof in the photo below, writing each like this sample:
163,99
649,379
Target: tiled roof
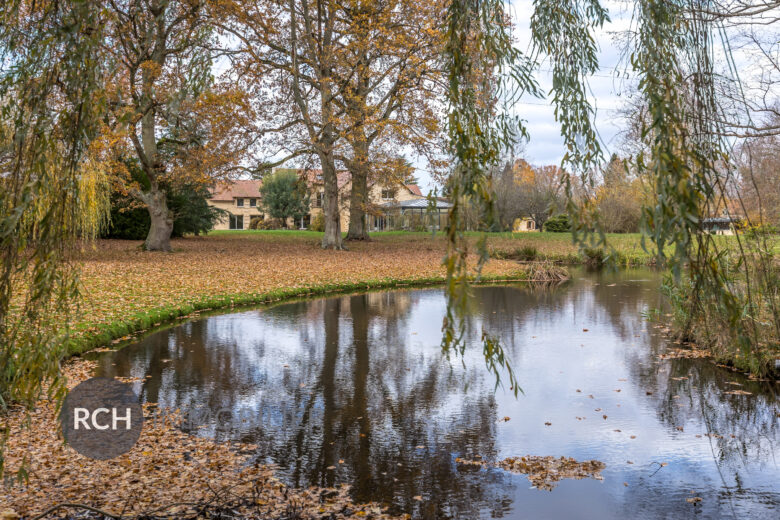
230,190
314,176
414,189
236,189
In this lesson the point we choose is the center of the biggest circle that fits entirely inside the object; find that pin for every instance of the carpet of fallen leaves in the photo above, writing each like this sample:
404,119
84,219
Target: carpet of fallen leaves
545,472
119,279
167,473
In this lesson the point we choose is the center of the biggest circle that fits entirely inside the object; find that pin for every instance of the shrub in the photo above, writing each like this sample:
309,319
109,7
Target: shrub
269,223
127,223
594,257
527,253
761,230
558,224
318,223
255,222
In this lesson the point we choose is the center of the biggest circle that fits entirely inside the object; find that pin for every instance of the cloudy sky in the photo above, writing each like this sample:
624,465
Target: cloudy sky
609,87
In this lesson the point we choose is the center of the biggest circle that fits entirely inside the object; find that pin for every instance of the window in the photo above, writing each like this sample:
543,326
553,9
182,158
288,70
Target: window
388,194
240,203
237,221
253,203
319,199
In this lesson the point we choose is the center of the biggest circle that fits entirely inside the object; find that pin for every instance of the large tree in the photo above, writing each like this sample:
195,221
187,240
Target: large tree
392,82
348,84
286,53
166,110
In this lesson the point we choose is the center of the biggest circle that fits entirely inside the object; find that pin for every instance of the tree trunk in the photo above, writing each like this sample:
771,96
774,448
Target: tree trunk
159,237
332,237
357,205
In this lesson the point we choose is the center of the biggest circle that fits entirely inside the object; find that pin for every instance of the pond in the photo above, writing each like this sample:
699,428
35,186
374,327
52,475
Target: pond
355,389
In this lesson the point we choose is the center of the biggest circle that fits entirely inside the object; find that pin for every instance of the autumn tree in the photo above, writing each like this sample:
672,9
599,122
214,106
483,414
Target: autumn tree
166,110
619,198
286,52
758,164
537,191
390,78
52,192
350,84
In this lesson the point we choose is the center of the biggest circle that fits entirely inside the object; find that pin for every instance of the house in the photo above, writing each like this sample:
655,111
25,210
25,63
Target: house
524,225
241,199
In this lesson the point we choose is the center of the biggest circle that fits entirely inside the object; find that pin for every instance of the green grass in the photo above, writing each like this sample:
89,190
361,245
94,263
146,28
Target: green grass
625,248
160,317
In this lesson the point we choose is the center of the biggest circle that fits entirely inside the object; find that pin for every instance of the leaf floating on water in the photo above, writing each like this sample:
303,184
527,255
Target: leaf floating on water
584,330
505,419
605,417
685,353
693,500
738,392
546,472
548,424
418,498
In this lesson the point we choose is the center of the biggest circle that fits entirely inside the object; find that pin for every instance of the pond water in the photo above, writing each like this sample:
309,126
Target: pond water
354,389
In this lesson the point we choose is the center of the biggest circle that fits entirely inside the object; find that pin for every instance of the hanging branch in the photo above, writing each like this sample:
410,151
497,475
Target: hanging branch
485,69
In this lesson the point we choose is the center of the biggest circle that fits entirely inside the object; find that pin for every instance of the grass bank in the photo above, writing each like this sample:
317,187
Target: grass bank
126,290
553,247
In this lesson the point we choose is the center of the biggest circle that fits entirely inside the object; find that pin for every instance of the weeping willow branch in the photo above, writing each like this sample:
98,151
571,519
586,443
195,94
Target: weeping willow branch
563,31
50,194
485,69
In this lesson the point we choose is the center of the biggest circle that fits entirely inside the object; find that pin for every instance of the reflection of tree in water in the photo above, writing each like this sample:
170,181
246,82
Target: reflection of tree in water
377,408
356,403
689,391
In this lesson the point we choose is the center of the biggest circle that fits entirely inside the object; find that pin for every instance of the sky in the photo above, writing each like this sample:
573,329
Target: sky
609,88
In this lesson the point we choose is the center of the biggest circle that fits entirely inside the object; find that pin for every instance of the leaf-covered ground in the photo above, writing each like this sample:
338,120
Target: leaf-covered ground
120,281
168,473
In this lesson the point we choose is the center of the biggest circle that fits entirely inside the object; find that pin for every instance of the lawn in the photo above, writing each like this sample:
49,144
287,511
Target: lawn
126,290
557,247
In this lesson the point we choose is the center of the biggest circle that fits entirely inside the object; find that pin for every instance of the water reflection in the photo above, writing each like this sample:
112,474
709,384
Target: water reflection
355,389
